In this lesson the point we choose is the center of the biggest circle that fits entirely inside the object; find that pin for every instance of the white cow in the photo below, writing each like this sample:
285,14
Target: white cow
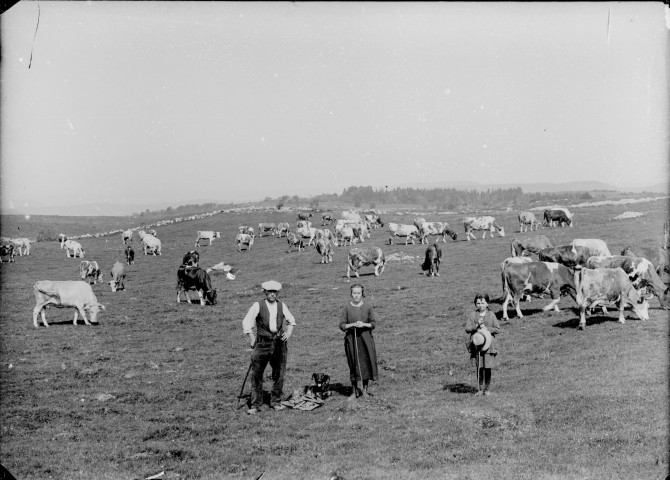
528,220
607,286
77,251
76,294
118,276
597,247
486,223
410,232
150,243
127,236
436,228
283,227
308,233
325,248
244,239
344,234
22,246
206,235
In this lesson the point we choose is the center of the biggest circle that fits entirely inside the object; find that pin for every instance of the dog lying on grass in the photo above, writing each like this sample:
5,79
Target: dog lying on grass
321,387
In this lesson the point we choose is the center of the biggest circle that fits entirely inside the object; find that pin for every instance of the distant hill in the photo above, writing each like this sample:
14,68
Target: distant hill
583,186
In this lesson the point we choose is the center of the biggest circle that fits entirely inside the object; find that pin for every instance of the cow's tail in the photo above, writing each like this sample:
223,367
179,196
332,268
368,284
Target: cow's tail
513,249
426,263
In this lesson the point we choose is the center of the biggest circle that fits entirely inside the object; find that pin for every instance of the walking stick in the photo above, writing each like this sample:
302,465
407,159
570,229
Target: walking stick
478,354
358,362
242,390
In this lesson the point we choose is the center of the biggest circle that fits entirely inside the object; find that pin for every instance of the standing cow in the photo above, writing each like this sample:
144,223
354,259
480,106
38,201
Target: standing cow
266,227
90,269
324,247
130,255
410,232
359,257
522,279
527,220
127,236
431,264
75,294
7,251
294,240
607,286
118,276
195,278
244,239
76,248
487,224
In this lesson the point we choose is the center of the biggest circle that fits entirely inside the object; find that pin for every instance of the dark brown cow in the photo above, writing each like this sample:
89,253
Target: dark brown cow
536,278
431,264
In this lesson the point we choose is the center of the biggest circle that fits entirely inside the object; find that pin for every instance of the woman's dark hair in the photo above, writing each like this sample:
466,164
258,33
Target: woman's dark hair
484,296
357,285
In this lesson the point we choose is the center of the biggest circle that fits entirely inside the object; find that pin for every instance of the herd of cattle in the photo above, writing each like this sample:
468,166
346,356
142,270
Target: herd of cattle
585,270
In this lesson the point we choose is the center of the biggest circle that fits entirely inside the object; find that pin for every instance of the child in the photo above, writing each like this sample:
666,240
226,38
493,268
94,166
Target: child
483,356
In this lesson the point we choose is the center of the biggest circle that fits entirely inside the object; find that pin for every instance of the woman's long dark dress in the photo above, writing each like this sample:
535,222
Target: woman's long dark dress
365,354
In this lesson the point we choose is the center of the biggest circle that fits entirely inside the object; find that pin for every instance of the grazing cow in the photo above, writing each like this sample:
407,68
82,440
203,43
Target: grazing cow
7,251
244,239
77,251
528,220
536,278
127,236
229,270
76,294
352,217
558,216
360,257
487,224
640,271
436,228
360,229
597,247
206,235
150,243
418,221
191,258
344,234
327,218
431,264
130,255
325,233
266,227
118,274
304,216
659,258
294,241
375,221
284,228
195,278
607,286
307,232
304,224
21,246
565,255
324,248
410,232
90,269
528,245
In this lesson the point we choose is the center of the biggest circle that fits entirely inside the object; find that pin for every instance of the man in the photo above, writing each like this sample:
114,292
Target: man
274,325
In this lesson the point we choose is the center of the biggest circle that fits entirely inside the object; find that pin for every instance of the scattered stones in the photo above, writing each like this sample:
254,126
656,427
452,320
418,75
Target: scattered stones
103,397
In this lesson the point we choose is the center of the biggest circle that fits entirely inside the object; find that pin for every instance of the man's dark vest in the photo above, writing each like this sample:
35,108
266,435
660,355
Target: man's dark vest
263,320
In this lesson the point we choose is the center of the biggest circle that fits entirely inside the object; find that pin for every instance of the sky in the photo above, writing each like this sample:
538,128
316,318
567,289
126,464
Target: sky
150,102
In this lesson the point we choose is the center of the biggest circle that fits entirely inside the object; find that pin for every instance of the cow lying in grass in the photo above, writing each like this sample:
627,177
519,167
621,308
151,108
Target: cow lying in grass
74,294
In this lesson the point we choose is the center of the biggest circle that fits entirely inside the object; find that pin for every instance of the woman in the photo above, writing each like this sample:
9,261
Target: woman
358,321
483,319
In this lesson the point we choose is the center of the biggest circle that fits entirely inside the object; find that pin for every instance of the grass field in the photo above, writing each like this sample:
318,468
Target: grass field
153,388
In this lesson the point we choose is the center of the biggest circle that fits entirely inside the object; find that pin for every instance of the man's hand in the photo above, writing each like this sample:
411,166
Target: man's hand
252,340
